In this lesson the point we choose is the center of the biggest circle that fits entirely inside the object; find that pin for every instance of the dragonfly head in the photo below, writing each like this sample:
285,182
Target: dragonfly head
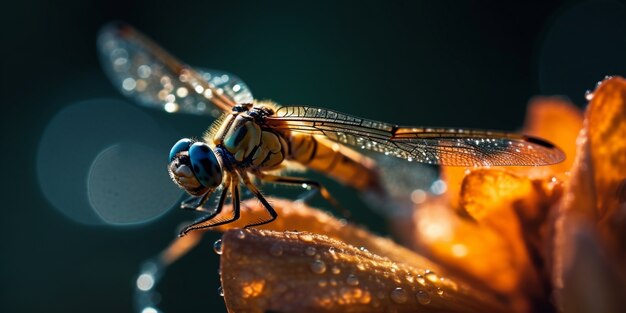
194,166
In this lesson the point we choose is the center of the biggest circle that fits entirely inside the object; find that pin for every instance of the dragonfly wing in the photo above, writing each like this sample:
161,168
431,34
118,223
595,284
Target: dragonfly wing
442,146
149,74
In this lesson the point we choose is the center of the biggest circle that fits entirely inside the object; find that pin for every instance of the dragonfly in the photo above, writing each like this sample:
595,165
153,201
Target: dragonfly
255,141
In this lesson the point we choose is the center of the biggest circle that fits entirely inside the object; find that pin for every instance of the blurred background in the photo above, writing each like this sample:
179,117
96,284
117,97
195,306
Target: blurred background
72,242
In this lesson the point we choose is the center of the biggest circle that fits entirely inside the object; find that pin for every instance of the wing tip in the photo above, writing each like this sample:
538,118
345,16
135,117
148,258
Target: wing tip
539,141
556,156
117,28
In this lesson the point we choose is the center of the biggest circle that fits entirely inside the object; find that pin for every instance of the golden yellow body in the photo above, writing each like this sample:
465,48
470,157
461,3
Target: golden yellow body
337,161
263,149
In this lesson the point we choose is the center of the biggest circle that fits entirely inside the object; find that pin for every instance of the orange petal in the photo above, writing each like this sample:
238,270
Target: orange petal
579,196
597,186
606,124
585,279
558,121
508,214
303,272
477,252
488,191
467,250
516,209
485,192
179,247
453,176
299,216
589,244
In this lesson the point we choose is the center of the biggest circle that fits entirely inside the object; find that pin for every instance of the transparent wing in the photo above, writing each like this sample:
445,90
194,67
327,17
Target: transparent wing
149,74
455,147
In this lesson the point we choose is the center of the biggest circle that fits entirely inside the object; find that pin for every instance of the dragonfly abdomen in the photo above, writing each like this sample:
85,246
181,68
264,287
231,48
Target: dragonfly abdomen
337,161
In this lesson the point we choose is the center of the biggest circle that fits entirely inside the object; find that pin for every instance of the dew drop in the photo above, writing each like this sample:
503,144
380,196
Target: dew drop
335,270
220,291
420,280
240,234
310,251
422,297
322,282
589,95
431,276
352,280
449,283
410,278
399,295
306,237
217,246
440,291
318,267
276,249
360,266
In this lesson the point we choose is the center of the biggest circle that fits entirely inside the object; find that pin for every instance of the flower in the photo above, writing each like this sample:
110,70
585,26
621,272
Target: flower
516,239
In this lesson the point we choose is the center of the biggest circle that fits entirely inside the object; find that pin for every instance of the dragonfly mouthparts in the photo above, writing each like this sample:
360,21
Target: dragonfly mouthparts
182,174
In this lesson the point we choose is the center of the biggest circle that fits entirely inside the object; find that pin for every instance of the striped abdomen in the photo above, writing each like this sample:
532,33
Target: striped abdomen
332,159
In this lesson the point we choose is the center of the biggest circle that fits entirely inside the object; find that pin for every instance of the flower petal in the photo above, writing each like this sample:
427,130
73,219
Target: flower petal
299,216
558,121
589,244
304,272
606,123
585,278
499,245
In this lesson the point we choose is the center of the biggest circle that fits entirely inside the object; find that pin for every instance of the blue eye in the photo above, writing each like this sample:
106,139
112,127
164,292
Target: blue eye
205,165
180,146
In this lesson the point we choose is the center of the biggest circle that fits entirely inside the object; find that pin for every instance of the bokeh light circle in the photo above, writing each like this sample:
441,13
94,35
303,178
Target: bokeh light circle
93,153
128,184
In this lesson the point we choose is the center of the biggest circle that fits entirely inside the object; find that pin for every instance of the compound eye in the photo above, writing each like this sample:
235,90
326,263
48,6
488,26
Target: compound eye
180,146
205,165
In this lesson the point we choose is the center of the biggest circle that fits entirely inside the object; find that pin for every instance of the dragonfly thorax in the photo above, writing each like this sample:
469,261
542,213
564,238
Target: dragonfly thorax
242,136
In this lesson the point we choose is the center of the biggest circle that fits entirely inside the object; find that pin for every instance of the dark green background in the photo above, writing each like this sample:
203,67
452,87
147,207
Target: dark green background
447,63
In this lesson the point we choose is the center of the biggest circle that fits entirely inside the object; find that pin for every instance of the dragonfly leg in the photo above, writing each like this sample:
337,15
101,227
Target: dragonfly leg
195,203
318,187
266,204
234,191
